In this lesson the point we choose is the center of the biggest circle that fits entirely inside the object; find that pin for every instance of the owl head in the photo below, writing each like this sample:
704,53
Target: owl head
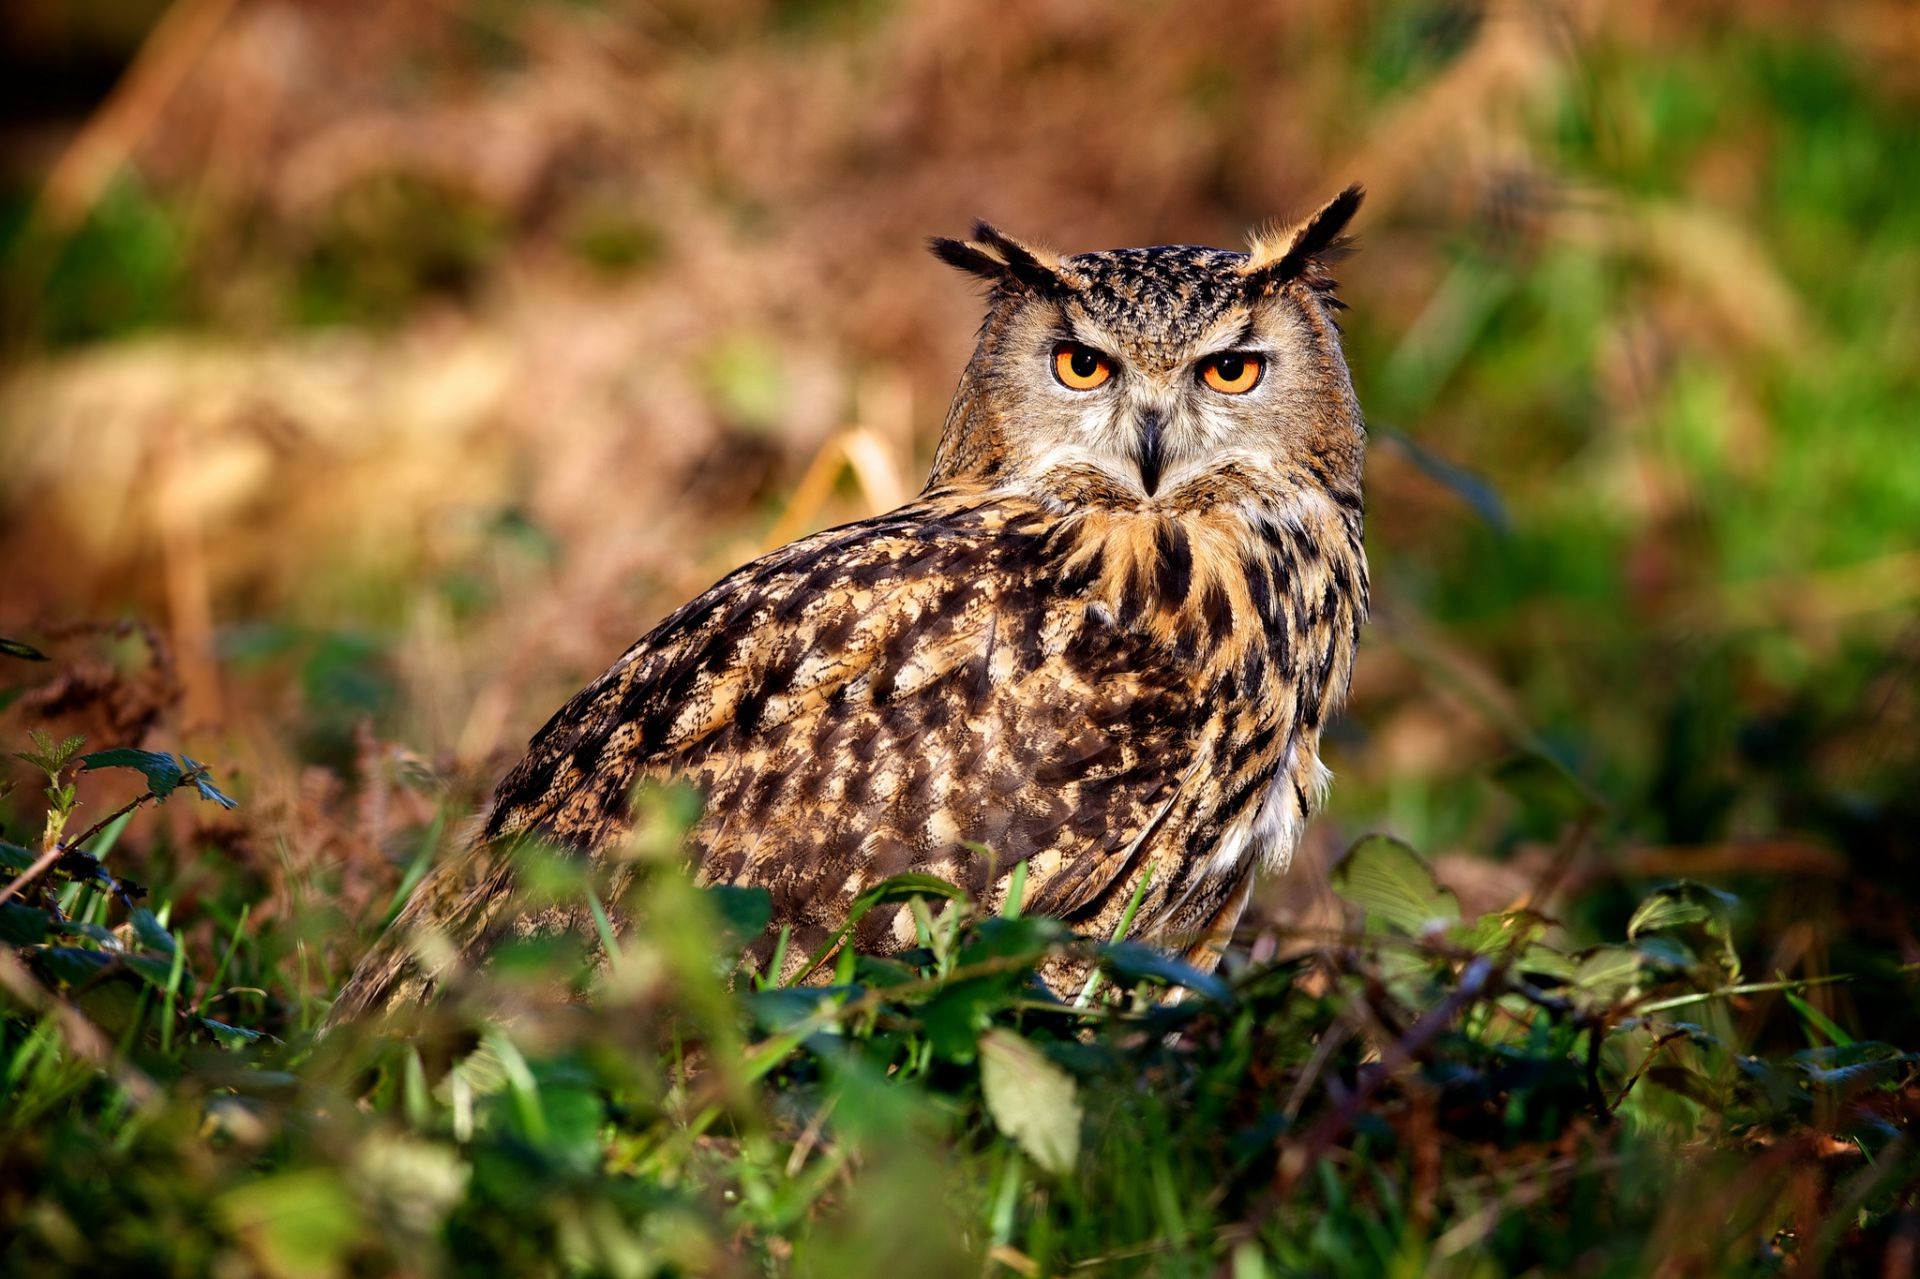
1166,376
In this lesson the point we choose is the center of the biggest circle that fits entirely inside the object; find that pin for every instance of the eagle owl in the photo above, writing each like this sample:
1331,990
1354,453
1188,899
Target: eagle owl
1103,641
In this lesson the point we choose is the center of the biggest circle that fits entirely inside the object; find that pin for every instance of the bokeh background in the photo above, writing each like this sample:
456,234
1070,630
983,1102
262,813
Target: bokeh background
374,373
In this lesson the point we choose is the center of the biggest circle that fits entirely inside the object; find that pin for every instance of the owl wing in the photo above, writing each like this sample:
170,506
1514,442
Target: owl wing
928,690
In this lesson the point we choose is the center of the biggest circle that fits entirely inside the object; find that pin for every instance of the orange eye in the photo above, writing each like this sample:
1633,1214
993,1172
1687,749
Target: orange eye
1234,373
1080,368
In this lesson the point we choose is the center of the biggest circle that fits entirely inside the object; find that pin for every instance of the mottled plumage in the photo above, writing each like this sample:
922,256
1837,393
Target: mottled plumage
1106,637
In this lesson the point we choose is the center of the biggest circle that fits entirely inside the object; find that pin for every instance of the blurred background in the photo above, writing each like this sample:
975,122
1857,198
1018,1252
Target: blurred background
374,373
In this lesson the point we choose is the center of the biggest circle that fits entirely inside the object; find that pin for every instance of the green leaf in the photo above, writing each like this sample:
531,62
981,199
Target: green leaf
14,858
1506,931
160,770
48,757
955,1018
1394,885
22,925
1690,905
1605,975
1130,963
156,972
299,1225
1027,938
1031,1100
900,888
744,912
1686,902
71,965
152,933
26,652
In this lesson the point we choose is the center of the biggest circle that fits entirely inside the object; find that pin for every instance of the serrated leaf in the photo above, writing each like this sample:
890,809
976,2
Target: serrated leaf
14,858
160,770
47,756
1032,1101
26,652
1394,885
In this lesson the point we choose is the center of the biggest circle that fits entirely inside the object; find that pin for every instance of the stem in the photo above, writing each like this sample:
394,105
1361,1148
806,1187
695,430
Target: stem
31,873
110,819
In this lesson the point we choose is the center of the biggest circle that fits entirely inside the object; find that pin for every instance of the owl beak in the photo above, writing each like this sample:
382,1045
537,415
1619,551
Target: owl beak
1152,454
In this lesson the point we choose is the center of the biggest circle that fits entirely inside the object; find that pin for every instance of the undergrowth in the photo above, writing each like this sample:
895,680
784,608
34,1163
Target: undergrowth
1419,1093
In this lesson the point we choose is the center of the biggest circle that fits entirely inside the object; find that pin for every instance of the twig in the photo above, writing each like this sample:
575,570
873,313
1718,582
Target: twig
1480,976
31,873
109,819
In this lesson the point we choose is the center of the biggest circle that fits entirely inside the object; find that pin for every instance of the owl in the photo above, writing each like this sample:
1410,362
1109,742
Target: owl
1102,642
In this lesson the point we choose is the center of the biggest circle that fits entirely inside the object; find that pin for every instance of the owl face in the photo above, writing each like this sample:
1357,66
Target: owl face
1154,371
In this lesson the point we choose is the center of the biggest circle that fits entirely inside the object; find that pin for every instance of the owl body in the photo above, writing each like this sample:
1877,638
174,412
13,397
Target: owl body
1102,643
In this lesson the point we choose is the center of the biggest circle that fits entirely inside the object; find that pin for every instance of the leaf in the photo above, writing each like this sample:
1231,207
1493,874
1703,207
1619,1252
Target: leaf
230,1036
152,933
1506,931
48,757
781,1008
26,652
1855,1064
15,858
1688,904
156,972
1032,1101
22,925
160,770
899,888
1605,975
298,1225
1394,885
744,912
71,965
1685,902
203,782
1028,938
955,1018
1130,963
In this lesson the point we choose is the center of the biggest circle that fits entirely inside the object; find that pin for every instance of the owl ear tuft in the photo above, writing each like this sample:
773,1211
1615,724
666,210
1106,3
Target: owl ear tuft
1279,257
994,255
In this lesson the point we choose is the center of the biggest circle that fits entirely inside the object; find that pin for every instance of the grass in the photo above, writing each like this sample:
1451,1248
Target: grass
1419,1092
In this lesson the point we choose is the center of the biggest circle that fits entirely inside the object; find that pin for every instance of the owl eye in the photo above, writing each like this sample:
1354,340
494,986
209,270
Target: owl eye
1234,373
1080,368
